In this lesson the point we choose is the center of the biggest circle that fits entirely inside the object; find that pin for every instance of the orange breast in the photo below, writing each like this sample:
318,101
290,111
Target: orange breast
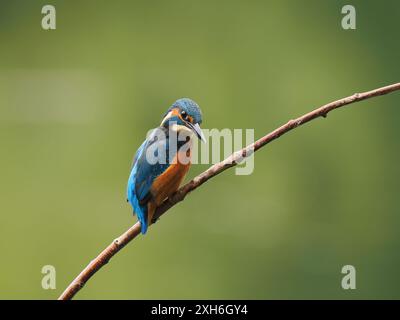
169,181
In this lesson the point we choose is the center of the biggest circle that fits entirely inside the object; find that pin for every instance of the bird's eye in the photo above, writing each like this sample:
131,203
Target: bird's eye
184,115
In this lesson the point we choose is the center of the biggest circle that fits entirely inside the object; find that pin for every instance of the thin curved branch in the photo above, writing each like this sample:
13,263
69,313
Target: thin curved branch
214,170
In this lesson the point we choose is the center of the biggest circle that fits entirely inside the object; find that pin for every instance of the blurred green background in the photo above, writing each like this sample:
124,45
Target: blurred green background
76,102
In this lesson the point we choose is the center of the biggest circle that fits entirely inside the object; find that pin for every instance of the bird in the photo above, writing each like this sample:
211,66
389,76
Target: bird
163,160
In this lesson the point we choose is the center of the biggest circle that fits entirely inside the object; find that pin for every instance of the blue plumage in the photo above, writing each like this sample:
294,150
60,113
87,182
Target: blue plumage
190,107
145,171
143,174
141,211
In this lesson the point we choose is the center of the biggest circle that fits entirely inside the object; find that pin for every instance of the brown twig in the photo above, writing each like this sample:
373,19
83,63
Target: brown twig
214,170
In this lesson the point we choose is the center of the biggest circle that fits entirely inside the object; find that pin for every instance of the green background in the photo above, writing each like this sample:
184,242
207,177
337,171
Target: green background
76,102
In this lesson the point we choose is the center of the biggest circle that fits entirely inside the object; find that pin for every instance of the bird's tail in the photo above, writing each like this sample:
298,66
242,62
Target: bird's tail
151,208
143,223
141,213
146,217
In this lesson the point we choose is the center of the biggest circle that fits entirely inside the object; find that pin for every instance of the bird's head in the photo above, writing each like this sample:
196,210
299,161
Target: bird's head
184,115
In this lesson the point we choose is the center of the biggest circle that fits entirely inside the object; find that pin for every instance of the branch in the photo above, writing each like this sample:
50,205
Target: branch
214,170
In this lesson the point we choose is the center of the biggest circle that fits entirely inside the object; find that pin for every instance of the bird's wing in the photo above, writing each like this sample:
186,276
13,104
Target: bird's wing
147,171
138,153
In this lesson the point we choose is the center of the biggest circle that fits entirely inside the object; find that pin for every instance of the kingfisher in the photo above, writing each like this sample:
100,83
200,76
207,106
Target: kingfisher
163,160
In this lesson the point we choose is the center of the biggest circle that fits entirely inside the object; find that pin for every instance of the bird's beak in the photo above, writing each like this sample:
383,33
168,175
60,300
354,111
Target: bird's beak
197,131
